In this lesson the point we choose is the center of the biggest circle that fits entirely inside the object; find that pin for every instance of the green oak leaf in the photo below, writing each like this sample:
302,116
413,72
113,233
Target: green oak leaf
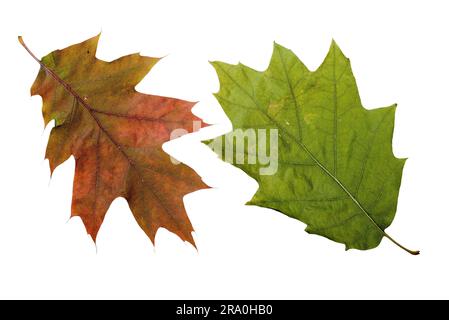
336,169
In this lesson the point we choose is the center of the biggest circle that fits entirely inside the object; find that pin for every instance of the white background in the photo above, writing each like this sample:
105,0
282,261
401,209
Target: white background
399,52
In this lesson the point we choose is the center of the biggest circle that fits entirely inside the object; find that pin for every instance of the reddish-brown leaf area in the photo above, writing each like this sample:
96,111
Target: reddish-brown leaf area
115,134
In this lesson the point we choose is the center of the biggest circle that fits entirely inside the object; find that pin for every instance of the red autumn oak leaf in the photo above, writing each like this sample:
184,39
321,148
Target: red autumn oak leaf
115,135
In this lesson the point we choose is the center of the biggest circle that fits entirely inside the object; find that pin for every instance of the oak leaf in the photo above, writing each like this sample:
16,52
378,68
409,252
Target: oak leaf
336,169
115,135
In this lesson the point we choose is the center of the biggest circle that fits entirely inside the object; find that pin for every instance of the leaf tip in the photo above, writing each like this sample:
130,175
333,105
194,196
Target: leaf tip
160,58
334,45
277,46
217,65
191,241
334,53
92,43
250,203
